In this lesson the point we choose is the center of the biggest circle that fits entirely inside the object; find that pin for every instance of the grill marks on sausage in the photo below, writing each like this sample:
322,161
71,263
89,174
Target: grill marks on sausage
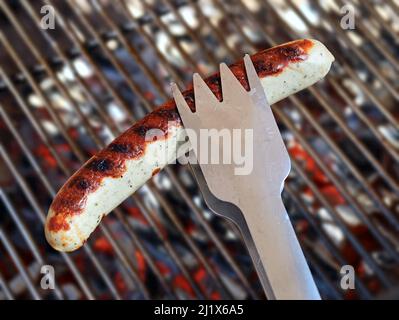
266,66
127,149
111,162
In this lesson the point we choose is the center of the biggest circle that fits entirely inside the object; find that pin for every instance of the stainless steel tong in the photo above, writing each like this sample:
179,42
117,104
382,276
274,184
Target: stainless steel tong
247,189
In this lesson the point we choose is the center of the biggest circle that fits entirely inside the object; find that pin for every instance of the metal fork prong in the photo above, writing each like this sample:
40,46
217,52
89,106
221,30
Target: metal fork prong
178,96
205,100
255,85
228,80
188,117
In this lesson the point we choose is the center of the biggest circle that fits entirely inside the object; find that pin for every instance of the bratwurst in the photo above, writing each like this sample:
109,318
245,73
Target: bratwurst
117,171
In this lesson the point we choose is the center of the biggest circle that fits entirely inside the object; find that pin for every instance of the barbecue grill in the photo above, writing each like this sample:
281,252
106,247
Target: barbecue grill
67,91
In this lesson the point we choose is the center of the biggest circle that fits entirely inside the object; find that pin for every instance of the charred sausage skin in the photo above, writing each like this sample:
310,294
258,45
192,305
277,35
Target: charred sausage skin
111,161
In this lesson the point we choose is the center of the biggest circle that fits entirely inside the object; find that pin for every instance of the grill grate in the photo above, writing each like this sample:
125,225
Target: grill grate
67,92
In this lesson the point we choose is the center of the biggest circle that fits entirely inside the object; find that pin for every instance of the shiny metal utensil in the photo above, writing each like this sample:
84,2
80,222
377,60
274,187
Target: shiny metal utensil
247,189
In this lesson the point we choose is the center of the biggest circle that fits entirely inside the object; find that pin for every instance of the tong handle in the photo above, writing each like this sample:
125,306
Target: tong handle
280,263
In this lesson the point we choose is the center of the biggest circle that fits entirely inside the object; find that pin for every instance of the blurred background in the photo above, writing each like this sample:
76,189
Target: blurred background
68,88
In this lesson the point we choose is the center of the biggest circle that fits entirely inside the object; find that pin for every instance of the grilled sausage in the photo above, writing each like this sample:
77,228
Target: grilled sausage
117,171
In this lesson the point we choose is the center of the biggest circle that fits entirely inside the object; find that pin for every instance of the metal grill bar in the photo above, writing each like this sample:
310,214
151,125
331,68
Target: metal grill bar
35,206
330,111
330,246
215,31
362,57
382,23
89,251
319,129
382,48
343,125
31,243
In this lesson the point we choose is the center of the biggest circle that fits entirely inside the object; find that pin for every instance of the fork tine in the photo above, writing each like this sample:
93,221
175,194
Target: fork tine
229,81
